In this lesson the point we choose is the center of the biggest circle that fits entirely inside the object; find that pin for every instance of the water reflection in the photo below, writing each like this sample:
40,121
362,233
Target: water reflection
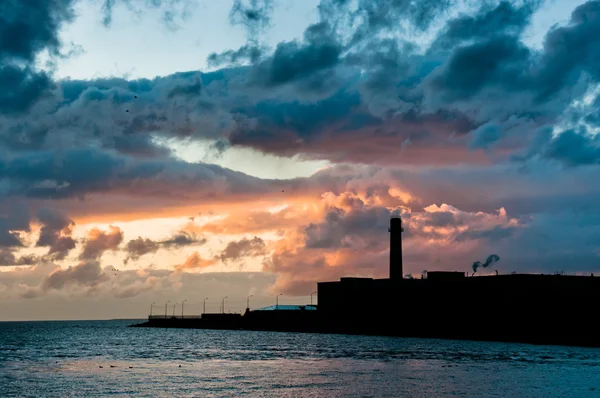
106,358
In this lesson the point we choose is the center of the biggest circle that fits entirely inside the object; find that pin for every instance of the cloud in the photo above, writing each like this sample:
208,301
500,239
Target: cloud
78,172
573,148
16,219
195,261
244,248
382,16
504,18
28,28
246,53
253,15
481,143
87,274
341,93
8,258
496,62
183,238
138,247
171,10
351,238
98,241
293,61
55,233
123,295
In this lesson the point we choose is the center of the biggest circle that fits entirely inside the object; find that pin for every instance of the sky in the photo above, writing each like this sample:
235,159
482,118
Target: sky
156,151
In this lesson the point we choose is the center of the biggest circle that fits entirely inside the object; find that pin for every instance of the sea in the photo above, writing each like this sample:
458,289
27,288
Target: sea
108,359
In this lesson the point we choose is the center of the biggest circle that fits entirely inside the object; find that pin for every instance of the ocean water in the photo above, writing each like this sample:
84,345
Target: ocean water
106,358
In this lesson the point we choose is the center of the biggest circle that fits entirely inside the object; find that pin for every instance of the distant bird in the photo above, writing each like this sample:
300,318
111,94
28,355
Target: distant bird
100,366
179,365
131,367
112,366
282,190
135,96
127,110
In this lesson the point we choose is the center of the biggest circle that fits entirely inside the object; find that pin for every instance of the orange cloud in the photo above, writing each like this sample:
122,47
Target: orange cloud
195,261
98,241
350,238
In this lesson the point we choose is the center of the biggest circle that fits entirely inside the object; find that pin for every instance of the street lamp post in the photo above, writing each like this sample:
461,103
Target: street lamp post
311,298
204,306
174,305
277,301
151,307
166,307
223,305
248,301
182,308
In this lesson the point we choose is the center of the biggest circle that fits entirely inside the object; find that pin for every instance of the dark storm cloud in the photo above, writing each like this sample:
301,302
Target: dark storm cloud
55,233
495,62
21,88
15,218
504,19
245,247
489,78
502,61
313,58
298,61
77,172
574,148
570,50
325,96
191,90
74,172
380,115
26,29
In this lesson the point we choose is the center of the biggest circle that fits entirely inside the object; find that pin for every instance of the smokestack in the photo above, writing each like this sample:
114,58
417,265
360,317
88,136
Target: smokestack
396,248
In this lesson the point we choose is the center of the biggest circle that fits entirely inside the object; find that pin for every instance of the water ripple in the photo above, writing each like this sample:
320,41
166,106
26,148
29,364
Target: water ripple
85,359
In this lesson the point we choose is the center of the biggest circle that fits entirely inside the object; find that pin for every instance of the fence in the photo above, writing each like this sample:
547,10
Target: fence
174,317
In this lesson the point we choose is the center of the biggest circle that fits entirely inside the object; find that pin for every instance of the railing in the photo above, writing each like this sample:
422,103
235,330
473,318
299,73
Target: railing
174,317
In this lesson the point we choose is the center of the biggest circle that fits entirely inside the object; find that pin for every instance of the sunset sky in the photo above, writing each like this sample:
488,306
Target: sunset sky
169,150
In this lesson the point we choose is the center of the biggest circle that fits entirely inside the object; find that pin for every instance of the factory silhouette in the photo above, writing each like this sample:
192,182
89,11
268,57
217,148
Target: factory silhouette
526,308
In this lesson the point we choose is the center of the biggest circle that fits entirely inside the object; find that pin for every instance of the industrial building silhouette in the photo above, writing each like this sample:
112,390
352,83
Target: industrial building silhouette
528,308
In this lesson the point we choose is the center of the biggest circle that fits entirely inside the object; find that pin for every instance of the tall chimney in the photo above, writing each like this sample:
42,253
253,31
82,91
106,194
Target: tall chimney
396,248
